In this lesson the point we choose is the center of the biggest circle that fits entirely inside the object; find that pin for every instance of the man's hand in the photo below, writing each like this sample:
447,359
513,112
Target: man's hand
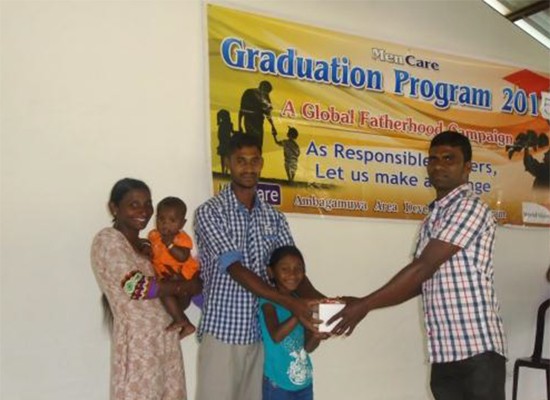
303,310
353,313
348,299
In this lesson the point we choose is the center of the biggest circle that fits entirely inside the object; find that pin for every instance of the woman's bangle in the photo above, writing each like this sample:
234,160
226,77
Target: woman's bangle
170,246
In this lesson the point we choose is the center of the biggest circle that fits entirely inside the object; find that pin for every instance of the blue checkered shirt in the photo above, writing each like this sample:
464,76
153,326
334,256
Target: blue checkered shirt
461,311
227,232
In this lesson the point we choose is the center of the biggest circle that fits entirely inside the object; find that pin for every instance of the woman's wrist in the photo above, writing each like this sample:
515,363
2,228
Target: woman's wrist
153,291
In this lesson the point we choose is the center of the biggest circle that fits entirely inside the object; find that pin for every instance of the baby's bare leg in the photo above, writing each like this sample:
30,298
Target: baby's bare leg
188,328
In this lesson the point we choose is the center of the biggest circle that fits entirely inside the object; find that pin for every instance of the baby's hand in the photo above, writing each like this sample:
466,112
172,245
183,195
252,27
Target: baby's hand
145,248
171,274
167,239
184,328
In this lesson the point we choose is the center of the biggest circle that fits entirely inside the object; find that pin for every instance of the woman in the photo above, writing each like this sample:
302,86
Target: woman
146,359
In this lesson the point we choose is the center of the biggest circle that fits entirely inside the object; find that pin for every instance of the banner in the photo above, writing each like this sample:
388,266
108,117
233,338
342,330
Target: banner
345,121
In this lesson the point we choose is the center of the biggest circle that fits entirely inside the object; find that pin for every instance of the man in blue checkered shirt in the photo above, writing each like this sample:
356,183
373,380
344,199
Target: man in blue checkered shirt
453,271
236,233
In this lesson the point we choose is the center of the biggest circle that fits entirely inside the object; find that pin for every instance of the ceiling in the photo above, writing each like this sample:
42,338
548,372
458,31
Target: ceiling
533,16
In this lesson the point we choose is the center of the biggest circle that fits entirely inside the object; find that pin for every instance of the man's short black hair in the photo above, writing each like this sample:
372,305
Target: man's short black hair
240,140
454,139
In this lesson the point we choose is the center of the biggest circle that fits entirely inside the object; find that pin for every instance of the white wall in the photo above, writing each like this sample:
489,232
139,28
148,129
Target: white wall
95,91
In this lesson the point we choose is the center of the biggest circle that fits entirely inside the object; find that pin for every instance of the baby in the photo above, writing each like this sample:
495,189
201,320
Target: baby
171,256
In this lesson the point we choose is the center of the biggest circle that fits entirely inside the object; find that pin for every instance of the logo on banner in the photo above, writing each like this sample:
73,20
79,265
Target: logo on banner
534,213
409,59
545,104
270,193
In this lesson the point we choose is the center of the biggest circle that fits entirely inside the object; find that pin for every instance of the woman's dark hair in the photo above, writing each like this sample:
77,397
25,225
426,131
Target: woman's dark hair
284,251
454,139
123,186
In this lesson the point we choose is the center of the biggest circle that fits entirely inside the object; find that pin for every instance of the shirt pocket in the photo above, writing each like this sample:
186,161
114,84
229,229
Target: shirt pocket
269,243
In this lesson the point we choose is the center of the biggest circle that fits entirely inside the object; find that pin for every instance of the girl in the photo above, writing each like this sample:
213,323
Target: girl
171,257
287,366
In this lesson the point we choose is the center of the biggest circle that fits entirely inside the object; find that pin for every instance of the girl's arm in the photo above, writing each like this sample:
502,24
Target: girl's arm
277,330
313,339
311,342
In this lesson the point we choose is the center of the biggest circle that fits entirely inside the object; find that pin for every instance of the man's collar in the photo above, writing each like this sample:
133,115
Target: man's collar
457,192
228,190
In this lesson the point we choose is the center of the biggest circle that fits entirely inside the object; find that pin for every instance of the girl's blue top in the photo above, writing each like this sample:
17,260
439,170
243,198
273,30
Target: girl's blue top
286,363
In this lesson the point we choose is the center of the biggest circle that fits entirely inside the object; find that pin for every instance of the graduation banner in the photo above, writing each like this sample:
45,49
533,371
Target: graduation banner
345,121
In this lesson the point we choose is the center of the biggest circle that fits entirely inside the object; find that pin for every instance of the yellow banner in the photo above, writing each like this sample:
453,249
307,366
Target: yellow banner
345,121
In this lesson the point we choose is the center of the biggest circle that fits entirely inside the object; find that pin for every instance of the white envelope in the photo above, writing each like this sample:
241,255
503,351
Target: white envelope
326,312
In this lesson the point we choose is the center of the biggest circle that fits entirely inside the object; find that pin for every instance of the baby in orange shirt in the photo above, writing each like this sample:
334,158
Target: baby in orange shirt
171,256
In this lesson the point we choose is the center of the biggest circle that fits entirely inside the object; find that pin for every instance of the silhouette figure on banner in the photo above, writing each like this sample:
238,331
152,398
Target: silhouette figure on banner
255,108
539,169
291,151
225,131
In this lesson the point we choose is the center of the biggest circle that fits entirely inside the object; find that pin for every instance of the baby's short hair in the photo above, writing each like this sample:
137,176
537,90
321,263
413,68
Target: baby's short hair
172,202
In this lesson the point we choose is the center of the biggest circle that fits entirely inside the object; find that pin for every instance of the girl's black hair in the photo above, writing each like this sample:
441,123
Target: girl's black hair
284,251
123,186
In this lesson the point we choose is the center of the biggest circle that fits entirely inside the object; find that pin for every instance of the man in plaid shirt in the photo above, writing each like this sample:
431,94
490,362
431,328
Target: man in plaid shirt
453,271
236,233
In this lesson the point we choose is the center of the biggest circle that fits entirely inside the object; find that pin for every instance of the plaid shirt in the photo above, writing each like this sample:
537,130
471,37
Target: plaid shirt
461,311
227,232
